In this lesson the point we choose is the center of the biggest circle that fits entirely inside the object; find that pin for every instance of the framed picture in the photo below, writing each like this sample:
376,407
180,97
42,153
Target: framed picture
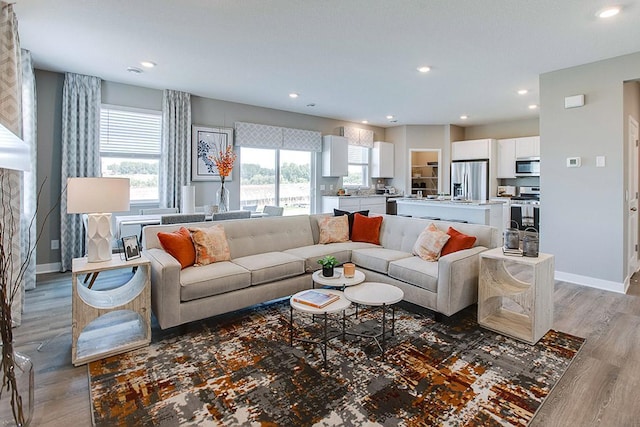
206,142
131,247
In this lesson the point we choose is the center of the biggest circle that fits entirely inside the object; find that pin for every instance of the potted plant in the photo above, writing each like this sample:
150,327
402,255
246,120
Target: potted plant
328,263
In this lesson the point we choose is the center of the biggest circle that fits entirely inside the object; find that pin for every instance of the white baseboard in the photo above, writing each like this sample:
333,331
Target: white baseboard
53,267
592,282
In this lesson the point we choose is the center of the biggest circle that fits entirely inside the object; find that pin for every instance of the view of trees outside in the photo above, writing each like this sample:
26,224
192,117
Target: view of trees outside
142,173
258,179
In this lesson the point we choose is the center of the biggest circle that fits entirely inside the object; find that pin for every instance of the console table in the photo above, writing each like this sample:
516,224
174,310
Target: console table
113,321
513,306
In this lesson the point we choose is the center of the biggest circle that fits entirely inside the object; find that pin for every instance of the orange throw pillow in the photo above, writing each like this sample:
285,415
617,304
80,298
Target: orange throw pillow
179,245
366,229
457,242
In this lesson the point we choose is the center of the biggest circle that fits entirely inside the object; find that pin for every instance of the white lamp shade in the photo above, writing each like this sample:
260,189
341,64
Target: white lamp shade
96,195
14,152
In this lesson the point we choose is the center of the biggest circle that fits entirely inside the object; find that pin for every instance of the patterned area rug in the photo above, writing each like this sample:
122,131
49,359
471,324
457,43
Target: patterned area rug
239,369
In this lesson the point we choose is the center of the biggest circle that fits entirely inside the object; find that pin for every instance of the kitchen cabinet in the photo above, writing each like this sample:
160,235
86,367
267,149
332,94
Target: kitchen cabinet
382,160
374,204
528,146
506,150
471,150
334,156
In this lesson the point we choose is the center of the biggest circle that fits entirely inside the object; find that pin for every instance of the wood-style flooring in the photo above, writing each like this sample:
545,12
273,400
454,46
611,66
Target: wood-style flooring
599,389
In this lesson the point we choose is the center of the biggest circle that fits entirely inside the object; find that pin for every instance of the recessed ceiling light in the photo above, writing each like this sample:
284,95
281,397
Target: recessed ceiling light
464,117
523,92
293,95
608,12
533,107
364,122
424,69
134,70
389,117
148,64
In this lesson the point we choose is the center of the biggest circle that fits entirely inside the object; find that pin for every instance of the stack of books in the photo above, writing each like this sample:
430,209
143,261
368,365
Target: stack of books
316,299
511,252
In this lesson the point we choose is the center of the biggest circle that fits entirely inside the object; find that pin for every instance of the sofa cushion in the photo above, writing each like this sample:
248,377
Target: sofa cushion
333,229
430,242
366,229
416,271
376,259
179,245
211,244
342,251
457,242
212,279
271,266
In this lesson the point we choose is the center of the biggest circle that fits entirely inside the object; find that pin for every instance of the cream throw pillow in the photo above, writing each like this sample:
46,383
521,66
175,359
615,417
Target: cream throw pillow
334,229
211,244
430,242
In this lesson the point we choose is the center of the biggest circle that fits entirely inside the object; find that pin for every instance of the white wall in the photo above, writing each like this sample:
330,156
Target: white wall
585,208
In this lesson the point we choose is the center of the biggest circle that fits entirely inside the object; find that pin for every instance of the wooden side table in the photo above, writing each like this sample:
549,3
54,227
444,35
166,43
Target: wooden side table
511,306
110,322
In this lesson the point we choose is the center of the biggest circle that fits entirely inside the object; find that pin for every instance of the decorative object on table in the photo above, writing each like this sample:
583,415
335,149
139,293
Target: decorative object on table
131,247
349,269
461,374
210,209
188,200
530,242
512,237
206,143
98,197
224,160
328,262
316,299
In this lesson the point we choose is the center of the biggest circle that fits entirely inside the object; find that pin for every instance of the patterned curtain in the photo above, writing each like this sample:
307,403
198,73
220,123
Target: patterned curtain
30,186
11,118
81,100
175,162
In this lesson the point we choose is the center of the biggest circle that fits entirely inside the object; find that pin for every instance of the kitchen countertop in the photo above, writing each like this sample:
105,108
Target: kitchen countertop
449,202
358,196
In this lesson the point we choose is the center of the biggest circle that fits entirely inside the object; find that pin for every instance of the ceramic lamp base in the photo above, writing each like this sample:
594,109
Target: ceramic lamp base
99,237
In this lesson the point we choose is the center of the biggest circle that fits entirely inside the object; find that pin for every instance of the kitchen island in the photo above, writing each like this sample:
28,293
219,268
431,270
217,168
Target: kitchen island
475,212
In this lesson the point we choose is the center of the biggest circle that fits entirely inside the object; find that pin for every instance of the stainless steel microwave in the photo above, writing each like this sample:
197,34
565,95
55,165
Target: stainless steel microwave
529,166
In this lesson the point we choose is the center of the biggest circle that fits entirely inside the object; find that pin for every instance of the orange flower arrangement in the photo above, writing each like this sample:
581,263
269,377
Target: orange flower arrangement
224,161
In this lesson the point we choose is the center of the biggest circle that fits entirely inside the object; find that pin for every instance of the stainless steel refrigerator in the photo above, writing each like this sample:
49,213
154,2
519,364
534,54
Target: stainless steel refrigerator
470,179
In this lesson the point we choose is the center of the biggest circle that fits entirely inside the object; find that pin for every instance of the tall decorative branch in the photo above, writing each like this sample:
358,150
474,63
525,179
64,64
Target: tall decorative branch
10,285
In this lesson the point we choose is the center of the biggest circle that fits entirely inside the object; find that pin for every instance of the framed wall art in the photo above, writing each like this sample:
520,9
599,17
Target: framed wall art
206,142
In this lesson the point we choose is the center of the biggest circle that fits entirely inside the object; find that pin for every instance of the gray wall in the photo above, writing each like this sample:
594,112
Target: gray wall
204,112
509,129
585,208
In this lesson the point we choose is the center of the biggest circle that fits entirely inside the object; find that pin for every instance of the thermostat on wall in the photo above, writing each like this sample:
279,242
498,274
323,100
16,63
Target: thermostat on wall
573,162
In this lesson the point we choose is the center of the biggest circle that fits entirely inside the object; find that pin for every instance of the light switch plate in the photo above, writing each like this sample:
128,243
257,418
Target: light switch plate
600,161
574,162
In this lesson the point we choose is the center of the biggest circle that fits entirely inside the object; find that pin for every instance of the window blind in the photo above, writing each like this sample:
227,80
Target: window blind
130,132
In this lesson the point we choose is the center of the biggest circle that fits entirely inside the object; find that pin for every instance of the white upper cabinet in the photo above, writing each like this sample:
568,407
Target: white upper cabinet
471,150
382,160
528,146
334,156
506,158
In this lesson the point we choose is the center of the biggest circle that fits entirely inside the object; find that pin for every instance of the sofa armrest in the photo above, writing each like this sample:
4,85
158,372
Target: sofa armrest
458,280
165,287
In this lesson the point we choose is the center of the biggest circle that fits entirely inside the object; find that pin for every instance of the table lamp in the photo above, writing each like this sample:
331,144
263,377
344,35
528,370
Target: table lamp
98,197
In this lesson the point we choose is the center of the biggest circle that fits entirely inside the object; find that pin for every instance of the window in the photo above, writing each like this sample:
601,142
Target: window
130,148
358,159
275,177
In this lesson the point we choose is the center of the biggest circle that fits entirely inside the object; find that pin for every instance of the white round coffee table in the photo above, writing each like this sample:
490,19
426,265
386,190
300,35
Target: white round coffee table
335,307
338,280
378,295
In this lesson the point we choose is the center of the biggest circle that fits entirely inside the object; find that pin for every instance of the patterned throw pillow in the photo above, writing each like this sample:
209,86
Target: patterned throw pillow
211,244
366,229
457,242
334,229
430,242
179,245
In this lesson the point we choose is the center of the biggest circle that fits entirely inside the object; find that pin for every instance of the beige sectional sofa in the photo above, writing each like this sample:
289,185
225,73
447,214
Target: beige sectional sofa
274,257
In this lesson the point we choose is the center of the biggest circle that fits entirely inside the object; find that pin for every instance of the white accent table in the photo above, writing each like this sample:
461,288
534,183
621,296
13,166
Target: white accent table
338,280
378,295
335,307
511,306
97,331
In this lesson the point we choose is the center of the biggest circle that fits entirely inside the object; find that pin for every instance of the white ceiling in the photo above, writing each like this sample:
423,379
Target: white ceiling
354,59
